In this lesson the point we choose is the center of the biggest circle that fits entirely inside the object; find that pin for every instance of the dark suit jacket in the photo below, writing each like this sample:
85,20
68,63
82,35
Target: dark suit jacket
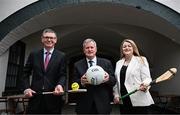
44,80
100,94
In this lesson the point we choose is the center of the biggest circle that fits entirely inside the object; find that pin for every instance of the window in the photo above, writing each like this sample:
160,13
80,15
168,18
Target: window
15,68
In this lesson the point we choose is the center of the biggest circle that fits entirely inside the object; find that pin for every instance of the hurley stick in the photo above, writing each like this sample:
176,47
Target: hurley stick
166,76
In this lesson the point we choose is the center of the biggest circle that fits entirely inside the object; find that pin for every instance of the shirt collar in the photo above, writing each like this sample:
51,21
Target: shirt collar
94,59
51,51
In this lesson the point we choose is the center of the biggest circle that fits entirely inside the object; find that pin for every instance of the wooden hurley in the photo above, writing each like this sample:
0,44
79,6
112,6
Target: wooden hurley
166,76
69,91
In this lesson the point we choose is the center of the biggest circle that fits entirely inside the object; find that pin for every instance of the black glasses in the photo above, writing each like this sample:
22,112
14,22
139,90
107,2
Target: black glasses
48,37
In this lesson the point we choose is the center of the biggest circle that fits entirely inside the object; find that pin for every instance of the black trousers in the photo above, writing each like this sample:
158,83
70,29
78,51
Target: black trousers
93,110
45,104
124,109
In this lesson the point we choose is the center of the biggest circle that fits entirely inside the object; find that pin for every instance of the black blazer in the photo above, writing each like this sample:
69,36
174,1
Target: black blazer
100,94
45,80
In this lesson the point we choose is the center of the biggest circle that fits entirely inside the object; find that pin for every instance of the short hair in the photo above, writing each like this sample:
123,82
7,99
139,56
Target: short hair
89,40
48,30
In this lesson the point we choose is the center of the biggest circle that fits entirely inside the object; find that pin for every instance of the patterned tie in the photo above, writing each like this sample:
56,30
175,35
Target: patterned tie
90,63
46,60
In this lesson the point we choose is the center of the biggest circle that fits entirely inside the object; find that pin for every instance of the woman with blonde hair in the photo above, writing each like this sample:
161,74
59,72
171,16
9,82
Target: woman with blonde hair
132,72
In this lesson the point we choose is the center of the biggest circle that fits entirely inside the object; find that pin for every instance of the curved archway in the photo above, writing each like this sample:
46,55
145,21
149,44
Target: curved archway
49,13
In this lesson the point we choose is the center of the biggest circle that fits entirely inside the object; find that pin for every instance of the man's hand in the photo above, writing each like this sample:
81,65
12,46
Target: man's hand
84,80
29,92
106,77
58,90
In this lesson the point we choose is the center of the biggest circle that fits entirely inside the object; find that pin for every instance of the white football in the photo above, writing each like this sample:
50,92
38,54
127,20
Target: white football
95,75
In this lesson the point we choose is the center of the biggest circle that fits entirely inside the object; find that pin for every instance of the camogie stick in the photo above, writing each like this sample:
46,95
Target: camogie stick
166,76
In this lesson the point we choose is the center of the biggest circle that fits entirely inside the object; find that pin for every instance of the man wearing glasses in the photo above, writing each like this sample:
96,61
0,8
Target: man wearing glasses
48,69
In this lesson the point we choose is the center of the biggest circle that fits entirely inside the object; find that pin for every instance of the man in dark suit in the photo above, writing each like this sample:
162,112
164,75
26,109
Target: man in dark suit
98,97
48,69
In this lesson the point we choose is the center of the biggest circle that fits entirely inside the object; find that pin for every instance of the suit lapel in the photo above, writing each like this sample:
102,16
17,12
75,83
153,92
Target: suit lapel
131,67
41,59
98,61
119,66
84,65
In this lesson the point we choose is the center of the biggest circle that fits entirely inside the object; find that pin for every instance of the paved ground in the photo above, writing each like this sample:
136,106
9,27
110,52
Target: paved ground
69,109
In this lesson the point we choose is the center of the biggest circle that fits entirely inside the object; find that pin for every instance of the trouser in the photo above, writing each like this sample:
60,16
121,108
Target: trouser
44,104
134,110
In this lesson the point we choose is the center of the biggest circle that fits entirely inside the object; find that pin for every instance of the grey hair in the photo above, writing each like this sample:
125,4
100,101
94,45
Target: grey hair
89,40
48,30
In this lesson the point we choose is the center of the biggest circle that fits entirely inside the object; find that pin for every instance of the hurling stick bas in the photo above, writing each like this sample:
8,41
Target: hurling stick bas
166,76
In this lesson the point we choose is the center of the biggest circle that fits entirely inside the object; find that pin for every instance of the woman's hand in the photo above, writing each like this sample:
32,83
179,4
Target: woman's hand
143,87
116,100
